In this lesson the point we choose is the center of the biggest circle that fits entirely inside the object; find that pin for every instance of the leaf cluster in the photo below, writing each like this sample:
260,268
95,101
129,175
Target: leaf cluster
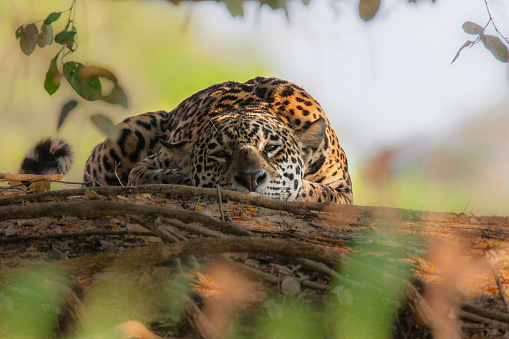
490,42
85,80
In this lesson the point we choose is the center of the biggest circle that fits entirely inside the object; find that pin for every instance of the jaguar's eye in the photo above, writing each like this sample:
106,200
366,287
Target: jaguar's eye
220,154
270,148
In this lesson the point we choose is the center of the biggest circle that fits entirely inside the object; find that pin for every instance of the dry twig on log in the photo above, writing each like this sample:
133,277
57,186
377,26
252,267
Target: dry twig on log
28,177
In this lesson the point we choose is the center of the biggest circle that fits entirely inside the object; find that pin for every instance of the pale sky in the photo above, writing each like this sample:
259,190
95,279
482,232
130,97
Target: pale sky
380,83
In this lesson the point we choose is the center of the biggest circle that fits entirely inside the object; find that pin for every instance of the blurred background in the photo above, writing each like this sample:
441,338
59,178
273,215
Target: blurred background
419,132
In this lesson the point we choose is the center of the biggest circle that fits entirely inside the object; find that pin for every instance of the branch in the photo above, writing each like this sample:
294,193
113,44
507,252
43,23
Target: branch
192,228
501,289
490,314
478,319
188,191
198,322
351,214
149,256
269,278
88,209
5,240
493,22
468,307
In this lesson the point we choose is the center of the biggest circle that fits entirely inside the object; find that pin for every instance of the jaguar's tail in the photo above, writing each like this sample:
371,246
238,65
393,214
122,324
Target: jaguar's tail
48,156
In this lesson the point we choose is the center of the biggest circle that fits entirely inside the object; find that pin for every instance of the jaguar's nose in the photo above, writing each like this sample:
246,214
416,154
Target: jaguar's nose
250,180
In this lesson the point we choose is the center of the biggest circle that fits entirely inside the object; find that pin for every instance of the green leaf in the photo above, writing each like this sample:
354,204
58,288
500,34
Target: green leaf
275,4
87,86
66,109
368,9
19,32
472,28
52,81
52,18
117,97
46,36
106,126
91,195
100,72
65,37
28,38
235,7
496,47
466,44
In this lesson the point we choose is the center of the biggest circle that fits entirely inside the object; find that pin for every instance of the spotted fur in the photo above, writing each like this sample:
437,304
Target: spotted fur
266,135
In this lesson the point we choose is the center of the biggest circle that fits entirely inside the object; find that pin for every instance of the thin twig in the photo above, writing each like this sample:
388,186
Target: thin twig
194,228
167,232
116,174
319,267
220,202
466,306
269,278
28,177
69,182
197,204
479,319
493,22
501,289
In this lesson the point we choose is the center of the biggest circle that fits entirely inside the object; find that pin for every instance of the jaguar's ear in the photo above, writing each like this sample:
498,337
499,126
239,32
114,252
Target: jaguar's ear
178,151
312,135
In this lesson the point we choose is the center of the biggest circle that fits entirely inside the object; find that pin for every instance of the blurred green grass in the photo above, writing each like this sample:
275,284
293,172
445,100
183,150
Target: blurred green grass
419,192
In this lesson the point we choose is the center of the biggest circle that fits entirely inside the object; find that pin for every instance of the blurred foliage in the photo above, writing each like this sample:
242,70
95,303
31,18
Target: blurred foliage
363,303
367,305
31,299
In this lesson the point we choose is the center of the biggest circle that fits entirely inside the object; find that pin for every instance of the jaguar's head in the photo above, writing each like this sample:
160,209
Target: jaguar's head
249,150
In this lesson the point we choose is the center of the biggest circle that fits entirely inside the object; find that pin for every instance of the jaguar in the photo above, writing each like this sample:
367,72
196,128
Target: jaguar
266,136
